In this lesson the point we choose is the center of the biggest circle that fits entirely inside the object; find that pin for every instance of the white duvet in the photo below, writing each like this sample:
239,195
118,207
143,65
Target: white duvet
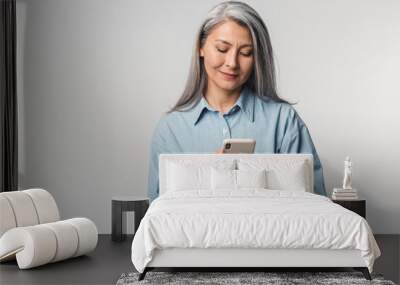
250,218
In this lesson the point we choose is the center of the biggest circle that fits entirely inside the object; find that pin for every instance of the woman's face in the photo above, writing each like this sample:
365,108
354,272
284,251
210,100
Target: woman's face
228,56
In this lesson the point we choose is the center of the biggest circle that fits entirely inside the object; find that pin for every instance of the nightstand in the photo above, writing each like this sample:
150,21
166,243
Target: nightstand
357,206
122,204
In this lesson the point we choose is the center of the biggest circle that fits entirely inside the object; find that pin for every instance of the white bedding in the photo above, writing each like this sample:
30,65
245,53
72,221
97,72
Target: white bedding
250,218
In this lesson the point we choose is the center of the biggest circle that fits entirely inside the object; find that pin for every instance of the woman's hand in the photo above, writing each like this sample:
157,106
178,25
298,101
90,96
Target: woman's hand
220,150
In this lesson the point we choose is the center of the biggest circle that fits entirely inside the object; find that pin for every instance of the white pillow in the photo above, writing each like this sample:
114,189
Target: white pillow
281,174
223,179
251,178
237,179
183,176
292,178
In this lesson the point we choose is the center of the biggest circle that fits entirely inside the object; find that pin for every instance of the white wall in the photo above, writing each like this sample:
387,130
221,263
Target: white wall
95,76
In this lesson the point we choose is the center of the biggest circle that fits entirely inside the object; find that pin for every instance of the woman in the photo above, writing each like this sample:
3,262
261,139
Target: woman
231,93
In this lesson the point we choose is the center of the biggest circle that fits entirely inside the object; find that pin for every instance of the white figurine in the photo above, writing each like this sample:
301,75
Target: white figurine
347,174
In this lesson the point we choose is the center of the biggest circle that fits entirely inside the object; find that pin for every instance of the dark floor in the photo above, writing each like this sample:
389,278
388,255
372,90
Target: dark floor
103,266
111,259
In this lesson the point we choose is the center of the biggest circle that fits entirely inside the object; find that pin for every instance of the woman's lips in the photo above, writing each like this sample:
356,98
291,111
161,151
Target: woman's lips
229,76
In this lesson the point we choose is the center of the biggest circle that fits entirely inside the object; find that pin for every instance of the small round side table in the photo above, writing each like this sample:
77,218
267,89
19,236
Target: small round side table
120,204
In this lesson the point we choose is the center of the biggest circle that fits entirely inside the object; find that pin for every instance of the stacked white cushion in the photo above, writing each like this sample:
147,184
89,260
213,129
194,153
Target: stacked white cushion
32,246
223,179
251,178
87,234
282,174
45,205
52,242
237,179
185,175
283,171
7,220
31,233
65,235
23,208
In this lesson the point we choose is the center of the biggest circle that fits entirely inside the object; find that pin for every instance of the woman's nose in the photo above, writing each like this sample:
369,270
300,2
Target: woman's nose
231,59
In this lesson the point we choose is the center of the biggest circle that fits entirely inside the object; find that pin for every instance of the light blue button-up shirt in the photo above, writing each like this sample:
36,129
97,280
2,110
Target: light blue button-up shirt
276,127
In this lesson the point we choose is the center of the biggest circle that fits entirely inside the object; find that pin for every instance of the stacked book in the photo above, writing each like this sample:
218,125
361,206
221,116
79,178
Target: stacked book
344,194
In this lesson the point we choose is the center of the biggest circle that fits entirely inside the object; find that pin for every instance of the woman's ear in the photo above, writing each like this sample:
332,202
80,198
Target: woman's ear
201,52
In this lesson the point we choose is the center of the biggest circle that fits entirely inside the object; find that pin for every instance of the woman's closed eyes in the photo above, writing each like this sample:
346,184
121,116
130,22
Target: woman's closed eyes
242,53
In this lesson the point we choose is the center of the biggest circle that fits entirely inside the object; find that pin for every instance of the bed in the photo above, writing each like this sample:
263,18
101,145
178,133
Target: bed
247,210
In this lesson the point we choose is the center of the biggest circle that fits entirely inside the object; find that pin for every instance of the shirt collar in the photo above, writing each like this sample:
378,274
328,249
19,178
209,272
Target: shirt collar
199,109
245,102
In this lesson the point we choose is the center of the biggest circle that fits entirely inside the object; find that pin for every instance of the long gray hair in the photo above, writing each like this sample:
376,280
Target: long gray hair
262,79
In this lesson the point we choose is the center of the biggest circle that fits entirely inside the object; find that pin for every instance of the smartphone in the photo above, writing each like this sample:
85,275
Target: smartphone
239,146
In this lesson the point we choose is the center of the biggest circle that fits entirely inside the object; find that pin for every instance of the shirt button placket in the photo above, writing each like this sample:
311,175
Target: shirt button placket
225,129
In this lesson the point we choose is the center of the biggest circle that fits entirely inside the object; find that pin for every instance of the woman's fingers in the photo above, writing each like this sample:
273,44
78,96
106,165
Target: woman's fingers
220,150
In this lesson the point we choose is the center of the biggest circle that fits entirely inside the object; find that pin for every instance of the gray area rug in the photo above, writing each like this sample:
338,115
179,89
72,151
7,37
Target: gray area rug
270,278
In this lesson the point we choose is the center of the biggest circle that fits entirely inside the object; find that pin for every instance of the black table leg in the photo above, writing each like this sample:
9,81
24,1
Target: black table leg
116,221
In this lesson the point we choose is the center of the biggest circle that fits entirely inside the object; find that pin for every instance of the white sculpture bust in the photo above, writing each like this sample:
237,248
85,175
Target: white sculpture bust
347,174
